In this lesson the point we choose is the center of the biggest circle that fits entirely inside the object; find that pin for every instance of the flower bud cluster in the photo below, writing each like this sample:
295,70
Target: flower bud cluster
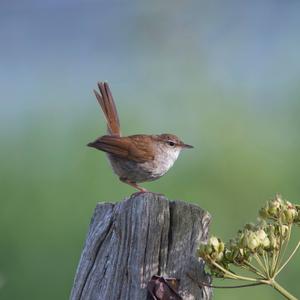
280,210
214,249
263,238
211,252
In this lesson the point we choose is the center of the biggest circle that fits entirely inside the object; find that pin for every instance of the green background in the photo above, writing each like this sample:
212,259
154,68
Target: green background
222,76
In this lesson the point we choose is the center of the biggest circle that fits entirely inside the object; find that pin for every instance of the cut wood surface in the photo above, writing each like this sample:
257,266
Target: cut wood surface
142,236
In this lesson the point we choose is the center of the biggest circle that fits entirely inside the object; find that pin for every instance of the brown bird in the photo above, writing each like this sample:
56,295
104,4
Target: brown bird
135,158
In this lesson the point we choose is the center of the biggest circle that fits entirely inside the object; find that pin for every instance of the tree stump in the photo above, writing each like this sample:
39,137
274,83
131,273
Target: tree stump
142,236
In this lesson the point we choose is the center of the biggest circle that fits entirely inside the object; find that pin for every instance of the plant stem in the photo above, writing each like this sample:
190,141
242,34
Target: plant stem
282,291
292,254
266,261
258,260
254,269
233,276
283,244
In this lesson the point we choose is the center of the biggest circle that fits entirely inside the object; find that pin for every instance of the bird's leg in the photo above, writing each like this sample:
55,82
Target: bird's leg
133,184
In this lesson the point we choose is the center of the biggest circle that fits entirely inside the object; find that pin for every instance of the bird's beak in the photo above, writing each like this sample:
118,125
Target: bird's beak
186,146
93,144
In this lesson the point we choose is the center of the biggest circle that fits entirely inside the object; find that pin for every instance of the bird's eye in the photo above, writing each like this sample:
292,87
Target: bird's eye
172,144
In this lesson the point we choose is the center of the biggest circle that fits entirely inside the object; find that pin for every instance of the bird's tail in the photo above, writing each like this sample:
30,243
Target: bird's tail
108,106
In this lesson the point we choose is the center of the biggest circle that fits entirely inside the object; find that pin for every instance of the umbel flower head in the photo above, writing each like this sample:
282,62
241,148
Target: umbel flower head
257,248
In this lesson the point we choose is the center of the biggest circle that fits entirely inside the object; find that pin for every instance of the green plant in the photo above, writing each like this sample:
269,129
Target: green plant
259,249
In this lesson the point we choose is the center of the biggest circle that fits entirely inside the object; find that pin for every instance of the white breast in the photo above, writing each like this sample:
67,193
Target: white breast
164,160
147,171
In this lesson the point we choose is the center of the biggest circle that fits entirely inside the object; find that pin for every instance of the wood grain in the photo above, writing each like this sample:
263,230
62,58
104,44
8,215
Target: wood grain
143,235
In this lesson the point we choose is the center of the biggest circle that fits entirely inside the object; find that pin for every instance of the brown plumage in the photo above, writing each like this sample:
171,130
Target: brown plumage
129,147
135,158
109,109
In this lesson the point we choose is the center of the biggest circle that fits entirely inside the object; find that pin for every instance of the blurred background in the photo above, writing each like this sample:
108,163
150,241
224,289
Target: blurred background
223,75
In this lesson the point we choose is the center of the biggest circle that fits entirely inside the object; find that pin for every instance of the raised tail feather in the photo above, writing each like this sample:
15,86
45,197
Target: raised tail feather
108,106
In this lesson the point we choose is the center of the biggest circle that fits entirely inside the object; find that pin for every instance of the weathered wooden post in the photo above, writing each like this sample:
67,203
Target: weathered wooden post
142,236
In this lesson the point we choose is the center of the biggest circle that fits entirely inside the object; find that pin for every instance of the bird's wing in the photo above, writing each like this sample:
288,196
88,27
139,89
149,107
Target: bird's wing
131,148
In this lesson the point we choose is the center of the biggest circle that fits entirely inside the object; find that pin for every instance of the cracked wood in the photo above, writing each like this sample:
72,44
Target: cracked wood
130,241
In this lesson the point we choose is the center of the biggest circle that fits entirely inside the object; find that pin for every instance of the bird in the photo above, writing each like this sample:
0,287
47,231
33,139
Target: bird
135,158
